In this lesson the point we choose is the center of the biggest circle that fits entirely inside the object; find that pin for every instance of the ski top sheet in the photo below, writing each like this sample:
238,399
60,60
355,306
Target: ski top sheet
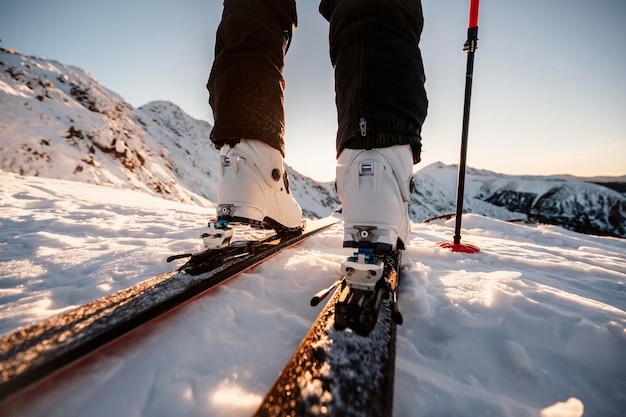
335,371
34,352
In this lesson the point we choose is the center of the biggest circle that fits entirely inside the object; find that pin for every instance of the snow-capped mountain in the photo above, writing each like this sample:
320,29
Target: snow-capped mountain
577,205
59,122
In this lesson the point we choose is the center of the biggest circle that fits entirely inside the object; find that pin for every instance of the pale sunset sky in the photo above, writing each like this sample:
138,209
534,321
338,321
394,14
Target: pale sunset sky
549,92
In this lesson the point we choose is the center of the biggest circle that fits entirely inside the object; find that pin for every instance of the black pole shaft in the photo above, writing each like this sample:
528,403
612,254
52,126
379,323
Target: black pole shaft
470,47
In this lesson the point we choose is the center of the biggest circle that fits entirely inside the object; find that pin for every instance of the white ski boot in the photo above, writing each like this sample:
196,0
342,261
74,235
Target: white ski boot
374,187
253,187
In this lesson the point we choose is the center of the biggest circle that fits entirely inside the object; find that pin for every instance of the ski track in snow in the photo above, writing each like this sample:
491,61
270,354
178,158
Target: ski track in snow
534,325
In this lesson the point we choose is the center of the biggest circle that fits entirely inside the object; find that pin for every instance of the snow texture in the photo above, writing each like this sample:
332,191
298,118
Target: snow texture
532,325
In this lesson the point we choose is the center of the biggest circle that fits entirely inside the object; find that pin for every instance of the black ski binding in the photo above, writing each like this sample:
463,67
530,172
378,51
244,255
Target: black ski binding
368,279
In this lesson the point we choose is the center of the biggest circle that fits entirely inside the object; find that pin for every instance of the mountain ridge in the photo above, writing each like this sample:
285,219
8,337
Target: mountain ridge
59,122
576,205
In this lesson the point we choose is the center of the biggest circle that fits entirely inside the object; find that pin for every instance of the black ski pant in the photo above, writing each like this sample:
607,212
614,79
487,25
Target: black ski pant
374,49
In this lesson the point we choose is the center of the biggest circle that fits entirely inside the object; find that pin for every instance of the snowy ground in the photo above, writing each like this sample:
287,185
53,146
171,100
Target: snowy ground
534,325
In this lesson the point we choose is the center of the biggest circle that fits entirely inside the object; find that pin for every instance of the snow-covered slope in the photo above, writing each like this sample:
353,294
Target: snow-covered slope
534,325
581,206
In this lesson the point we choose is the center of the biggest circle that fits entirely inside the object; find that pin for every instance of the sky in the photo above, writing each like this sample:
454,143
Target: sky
549,89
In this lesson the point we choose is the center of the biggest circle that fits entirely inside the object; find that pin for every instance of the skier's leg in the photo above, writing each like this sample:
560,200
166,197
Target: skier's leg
246,94
381,105
246,84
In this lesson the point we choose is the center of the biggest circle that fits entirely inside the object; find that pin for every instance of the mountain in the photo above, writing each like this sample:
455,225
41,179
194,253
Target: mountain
617,183
599,179
59,122
576,205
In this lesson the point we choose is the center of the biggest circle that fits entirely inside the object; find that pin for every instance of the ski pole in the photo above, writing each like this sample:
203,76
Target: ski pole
470,47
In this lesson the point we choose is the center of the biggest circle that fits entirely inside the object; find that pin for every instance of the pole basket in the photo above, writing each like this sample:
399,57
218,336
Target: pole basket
459,247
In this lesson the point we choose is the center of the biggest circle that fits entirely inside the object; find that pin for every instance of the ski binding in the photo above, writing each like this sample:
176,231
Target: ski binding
218,235
363,287
362,270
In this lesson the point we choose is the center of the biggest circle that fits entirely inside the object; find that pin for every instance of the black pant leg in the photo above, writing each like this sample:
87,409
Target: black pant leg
246,84
379,74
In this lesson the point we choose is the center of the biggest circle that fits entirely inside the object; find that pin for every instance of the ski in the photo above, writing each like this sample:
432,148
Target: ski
344,366
32,353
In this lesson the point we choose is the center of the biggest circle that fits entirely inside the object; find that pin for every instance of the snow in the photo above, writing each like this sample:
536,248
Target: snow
533,325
